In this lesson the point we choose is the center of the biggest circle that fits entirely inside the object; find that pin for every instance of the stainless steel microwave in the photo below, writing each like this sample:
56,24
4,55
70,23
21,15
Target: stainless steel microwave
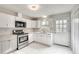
20,24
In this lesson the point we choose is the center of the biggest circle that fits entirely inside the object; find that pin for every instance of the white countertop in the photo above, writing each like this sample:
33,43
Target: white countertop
7,37
42,33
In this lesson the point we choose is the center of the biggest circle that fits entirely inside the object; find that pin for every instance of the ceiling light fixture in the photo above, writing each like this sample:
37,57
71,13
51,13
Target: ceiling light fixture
44,16
33,7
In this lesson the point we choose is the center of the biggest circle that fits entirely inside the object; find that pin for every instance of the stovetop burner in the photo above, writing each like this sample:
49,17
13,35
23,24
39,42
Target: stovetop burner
19,32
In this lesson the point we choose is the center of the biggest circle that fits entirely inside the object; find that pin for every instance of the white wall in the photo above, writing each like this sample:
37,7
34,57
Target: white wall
75,29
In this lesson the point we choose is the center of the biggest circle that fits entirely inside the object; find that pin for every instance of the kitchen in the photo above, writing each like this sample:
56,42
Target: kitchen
43,28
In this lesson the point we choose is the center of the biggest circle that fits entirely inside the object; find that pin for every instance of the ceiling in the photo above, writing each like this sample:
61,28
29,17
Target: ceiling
45,9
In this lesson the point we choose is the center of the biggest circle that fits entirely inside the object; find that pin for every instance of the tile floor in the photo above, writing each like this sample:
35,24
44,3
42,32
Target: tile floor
36,48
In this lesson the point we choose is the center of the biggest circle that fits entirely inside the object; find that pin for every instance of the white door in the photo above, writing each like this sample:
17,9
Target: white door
62,35
62,39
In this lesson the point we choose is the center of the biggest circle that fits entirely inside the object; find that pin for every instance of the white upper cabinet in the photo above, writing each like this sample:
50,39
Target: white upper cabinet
28,23
11,21
7,20
38,24
31,24
42,23
20,19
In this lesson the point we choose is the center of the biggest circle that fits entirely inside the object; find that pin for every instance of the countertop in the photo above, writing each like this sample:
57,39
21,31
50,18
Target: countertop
7,37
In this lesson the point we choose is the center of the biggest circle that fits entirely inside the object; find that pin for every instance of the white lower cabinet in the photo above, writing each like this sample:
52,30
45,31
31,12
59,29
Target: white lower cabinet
5,46
44,38
8,44
13,43
30,37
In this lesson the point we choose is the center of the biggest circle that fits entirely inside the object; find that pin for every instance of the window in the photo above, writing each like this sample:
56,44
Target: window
64,26
57,22
64,21
61,25
60,21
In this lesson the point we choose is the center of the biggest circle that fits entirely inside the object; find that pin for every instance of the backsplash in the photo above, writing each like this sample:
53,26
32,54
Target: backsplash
28,30
8,31
5,31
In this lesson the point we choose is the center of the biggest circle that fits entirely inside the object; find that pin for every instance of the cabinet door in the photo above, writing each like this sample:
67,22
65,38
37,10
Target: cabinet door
28,23
38,24
10,44
33,24
6,20
18,18
47,39
44,38
13,43
11,21
3,20
30,38
5,46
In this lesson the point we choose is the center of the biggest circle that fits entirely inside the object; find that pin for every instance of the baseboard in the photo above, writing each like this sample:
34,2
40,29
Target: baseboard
61,45
10,51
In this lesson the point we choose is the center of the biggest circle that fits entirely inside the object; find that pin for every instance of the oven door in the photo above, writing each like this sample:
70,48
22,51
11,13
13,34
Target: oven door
23,39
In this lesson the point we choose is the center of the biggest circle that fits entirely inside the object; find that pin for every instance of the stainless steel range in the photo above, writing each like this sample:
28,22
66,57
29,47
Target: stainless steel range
22,38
